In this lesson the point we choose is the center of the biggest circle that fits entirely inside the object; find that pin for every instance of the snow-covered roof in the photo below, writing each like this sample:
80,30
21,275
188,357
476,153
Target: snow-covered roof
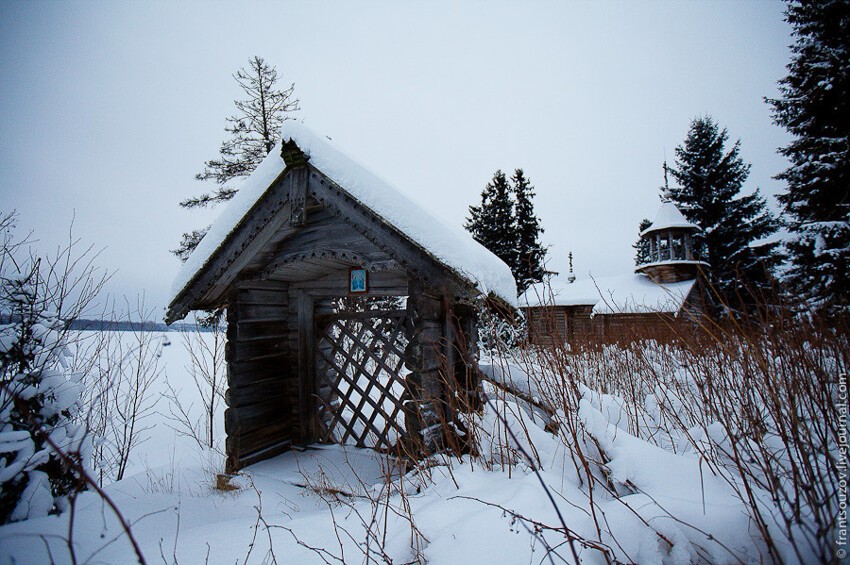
624,294
448,244
669,216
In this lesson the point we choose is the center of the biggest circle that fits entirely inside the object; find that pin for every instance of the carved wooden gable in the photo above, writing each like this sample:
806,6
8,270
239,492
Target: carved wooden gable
306,227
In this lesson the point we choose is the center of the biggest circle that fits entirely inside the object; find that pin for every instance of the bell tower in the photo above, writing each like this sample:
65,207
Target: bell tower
669,240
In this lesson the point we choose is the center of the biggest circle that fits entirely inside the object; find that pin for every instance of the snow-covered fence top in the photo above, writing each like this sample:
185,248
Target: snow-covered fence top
448,244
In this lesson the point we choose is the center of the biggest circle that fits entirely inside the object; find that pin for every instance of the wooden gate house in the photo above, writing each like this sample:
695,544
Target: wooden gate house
308,232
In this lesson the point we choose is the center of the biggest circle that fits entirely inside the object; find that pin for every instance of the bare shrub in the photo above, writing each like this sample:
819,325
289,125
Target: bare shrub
363,514
120,404
205,343
756,401
45,444
40,431
770,397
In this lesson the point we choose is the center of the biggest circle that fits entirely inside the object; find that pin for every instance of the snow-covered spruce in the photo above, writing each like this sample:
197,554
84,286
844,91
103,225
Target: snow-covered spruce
736,227
814,106
39,398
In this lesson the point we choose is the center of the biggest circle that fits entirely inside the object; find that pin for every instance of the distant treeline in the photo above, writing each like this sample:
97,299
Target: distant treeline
127,326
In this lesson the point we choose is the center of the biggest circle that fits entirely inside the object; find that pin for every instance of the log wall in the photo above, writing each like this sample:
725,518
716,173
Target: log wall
574,324
281,271
260,412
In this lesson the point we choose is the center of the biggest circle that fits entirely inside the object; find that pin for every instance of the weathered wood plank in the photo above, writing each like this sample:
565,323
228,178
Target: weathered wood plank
243,373
253,350
261,311
266,453
296,272
255,284
256,392
242,419
263,296
306,373
280,319
270,435
248,330
326,232
381,283
298,197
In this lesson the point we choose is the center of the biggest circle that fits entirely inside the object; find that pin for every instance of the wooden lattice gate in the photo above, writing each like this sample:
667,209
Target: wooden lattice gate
360,377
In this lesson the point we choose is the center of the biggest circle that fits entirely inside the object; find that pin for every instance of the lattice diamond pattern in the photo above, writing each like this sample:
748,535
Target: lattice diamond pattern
360,366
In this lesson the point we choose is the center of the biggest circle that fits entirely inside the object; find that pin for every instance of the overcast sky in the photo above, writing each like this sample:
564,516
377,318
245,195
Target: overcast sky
108,109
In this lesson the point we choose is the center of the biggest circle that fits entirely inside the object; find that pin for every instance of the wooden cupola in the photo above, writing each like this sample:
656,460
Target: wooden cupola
670,242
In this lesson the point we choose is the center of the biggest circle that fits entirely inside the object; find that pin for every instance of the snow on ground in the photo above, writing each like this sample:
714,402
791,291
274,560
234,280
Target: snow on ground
336,504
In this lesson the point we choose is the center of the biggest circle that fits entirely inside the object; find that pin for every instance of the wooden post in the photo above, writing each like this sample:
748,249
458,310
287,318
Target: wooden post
657,256
306,370
231,441
668,236
449,340
467,321
424,406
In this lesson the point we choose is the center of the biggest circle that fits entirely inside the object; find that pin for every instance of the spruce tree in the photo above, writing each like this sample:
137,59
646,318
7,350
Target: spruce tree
492,223
815,108
528,268
254,130
505,224
642,251
710,181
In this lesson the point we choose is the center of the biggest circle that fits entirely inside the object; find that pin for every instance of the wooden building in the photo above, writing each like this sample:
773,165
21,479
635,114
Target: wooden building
671,248
309,231
663,297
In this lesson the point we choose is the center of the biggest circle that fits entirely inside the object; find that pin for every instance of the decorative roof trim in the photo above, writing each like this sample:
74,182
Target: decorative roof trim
448,249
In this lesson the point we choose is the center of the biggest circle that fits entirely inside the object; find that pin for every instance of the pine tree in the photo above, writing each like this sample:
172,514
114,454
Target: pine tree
253,130
528,268
188,242
709,194
492,223
815,108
